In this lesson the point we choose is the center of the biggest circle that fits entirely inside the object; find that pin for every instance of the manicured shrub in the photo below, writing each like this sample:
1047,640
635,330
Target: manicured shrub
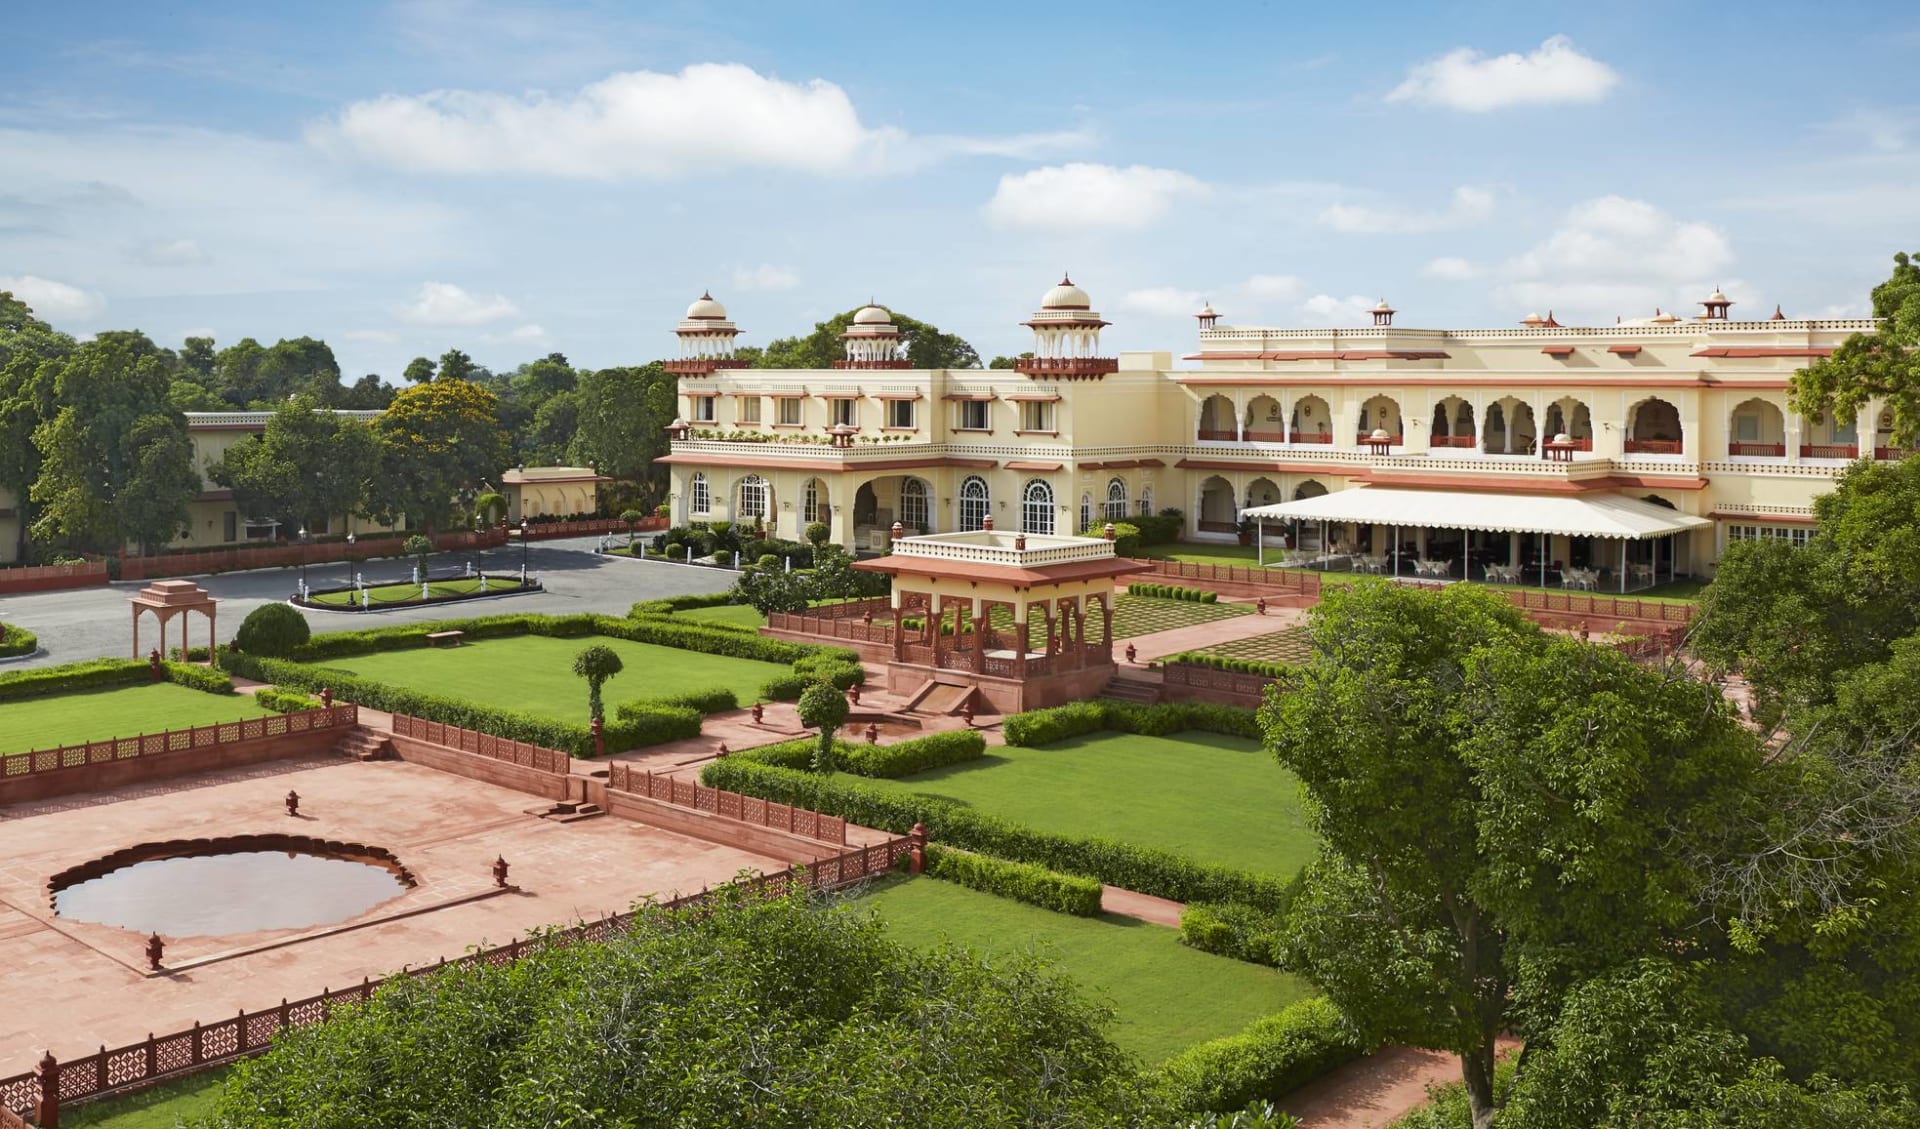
824,708
1145,869
1022,882
95,674
281,701
796,755
1044,727
1172,592
1160,528
596,664
1271,1058
17,641
915,754
1274,670
1230,929
670,604
200,678
273,630
704,701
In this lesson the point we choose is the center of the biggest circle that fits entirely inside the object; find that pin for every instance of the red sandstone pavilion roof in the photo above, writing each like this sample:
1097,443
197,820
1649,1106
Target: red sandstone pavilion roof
1020,559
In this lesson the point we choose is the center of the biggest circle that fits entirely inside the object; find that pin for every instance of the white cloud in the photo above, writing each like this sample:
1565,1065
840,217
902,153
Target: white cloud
1469,206
1163,301
1464,79
1086,196
526,333
766,276
443,303
649,125
1615,255
1451,268
1325,309
53,301
1273,287
170,253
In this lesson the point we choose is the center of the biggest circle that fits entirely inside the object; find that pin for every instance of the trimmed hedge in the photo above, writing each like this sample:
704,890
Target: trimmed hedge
1044,727
1173,592
903,758
106,674
1230,929
659,630
1147,870
202,678
17,641
706,701
837,665
671,604
1274,670
1022,882
280,701
1271,1058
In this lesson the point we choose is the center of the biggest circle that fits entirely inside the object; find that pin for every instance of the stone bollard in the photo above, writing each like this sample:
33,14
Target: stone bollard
153,665
758,710
599,728
1130,652
853,693
293,802
156,948
500,872
1260,605
917,849
326,697
46,1109
966,712
873,733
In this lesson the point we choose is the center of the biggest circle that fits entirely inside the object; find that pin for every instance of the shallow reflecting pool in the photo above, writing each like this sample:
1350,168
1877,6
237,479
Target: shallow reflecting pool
232,892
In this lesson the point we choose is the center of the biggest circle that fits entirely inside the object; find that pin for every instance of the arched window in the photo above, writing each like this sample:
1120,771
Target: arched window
1036,508
1117,500
699,500
913,504
973,502
810,505
1146,501
752,500
1086,512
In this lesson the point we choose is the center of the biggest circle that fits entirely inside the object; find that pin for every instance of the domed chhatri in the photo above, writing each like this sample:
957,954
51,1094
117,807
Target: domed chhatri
1717,304
706,339
873,341
1066,337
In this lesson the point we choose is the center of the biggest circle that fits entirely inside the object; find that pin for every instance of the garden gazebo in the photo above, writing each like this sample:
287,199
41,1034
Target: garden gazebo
168,599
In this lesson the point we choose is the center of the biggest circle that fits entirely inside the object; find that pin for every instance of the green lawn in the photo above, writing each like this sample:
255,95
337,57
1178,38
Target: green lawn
162,1107
740,615
1144,615
69,719
535,673
1166,996
1290,646
395,594
1208,797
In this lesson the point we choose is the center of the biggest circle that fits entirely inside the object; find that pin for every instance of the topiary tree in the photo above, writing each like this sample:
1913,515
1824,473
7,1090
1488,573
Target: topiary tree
489,509
596,664
826,707
632,518
272,631
817,533
419,548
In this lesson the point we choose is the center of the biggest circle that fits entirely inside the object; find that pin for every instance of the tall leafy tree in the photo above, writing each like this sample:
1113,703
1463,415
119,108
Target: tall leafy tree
1883,365
307,467
300,366
31,354
368,394
927,346
622,417
456,365
1498,811
437,443
116,462
418,371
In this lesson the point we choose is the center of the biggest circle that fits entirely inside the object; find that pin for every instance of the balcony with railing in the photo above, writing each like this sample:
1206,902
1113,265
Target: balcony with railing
1740,450
1829,450
1652,446
1069,368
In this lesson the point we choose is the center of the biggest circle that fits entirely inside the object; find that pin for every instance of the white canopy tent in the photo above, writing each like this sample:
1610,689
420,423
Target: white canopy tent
1610,516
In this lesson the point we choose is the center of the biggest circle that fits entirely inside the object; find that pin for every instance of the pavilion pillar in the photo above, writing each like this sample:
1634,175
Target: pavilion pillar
1513,549
1623,566
1020,639
899,632
1106,618
136,631
1046,609
933,621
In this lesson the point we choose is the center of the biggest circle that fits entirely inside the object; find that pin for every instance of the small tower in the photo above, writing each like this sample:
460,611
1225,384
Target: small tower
872,341
1533,321
706,340
1777,315
1383,313
1206,317
1066,337
1716,304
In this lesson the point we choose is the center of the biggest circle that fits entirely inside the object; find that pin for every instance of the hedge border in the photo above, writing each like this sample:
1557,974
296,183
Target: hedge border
1070,894
1275,670
1075,719
1234,930
902,758
106,674
1271,1058
1172,592
16,641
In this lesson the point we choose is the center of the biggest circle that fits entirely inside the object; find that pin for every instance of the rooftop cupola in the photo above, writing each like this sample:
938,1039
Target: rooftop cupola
706,339
1716,305
1206,317
1383,313
872,341
1066,337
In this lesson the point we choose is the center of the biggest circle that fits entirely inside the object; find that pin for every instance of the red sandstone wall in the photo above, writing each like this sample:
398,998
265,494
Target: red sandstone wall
715,829
161,766
473,766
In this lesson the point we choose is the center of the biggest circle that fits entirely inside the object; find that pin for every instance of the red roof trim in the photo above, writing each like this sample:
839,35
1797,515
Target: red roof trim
1328,355
1034,397
1624,350
1037,467
1005,574
1557,350
1744,352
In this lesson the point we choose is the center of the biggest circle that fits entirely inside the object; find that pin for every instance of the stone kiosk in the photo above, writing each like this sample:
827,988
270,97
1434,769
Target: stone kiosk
1024,619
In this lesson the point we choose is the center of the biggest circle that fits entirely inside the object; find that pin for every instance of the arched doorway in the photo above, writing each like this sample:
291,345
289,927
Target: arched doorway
1757,429
1262,492
1116,508
813,502
1569,416
1264,422
973,502
1653,428
1380,413
1216,420
1452,424
1217,511
1510,428
1311,421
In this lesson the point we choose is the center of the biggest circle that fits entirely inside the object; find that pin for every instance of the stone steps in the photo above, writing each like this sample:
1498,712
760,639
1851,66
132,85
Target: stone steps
362,745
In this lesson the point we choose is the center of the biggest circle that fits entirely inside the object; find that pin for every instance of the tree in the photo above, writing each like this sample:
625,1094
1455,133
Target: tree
823,705
646,1028
927,346
418,371
307,466
31,356
300,366
622,418
421,550
489,509
1882,365
1497,809
437,443
632,518
116,463
272,631
1009,362
596,664
770,590
368,394
455,365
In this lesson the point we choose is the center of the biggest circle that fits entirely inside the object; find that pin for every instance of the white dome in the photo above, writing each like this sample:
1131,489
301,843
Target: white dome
1718,296
706,309
1066,296
872,315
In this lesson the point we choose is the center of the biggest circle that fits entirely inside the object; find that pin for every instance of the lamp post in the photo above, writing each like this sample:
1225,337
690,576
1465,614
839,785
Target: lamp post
523,552
350,584
303,562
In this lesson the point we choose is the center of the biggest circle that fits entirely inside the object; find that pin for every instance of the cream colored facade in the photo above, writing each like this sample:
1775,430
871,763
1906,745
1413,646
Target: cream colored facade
551,491
1690,411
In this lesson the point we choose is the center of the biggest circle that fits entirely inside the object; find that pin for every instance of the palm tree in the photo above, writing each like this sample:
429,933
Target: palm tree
596,664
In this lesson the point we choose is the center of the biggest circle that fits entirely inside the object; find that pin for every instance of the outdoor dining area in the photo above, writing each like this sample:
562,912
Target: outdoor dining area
1598,542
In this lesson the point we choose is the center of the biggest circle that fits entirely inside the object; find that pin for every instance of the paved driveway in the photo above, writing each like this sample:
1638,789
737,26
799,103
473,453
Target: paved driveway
90,623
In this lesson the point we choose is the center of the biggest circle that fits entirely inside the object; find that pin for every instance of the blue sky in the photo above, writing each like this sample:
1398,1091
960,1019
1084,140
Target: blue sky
401,178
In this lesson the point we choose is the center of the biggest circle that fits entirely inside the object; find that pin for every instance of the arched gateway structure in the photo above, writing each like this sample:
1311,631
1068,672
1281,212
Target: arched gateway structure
1026,619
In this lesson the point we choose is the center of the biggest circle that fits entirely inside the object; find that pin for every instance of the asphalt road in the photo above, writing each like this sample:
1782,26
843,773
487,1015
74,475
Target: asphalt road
88,623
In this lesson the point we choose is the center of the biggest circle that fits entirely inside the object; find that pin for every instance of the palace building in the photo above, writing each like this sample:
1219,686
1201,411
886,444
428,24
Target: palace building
1615,453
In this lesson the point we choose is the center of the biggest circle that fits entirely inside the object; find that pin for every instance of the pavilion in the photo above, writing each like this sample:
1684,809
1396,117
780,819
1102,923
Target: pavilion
1597,542
947,588
171,599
